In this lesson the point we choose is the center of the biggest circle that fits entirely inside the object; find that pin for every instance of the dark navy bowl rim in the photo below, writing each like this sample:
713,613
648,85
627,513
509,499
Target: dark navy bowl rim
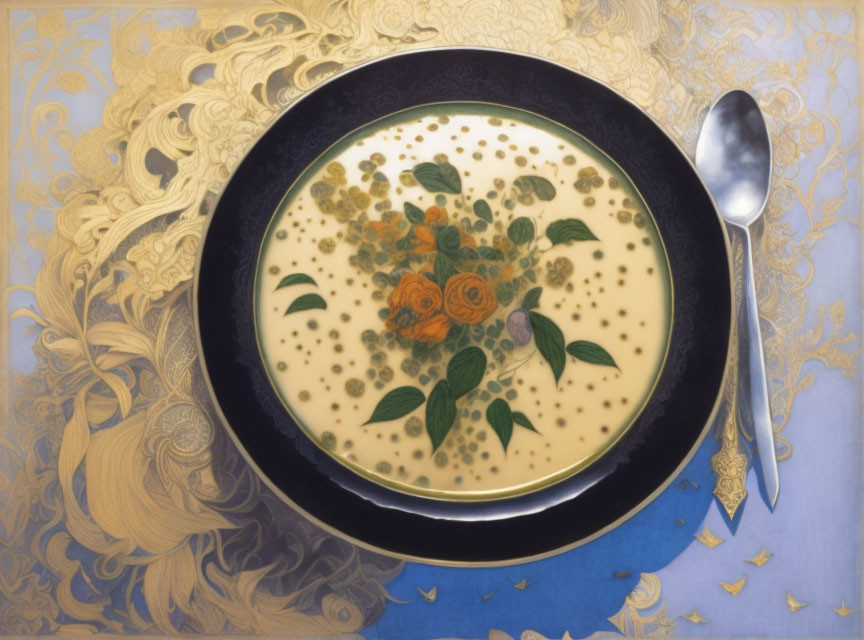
572,511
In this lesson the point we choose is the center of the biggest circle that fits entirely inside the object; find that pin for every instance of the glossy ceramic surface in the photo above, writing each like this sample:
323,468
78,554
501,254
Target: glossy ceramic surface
491,341
557,516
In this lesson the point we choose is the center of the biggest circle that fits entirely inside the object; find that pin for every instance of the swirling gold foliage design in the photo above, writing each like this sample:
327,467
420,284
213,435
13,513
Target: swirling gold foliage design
124,508
643,615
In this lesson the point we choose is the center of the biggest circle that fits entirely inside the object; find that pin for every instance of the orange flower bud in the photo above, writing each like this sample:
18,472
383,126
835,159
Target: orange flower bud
425,238
435,215
431,330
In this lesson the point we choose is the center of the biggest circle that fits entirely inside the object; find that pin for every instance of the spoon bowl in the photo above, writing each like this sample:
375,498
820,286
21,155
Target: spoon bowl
733,155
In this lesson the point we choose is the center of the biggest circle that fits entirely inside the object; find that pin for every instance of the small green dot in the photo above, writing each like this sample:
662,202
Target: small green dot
384,467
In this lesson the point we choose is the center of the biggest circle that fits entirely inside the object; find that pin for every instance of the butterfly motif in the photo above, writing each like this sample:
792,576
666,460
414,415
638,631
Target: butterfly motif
761,558
695,617
429,596
793,604
522,584
734,587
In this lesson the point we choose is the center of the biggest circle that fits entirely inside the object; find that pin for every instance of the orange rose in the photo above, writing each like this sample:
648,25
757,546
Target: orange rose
414,300
417,292
435,215
468,298
431,330
426,239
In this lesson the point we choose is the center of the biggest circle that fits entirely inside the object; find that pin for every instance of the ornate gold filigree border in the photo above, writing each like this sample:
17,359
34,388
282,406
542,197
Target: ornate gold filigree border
374,39
5,212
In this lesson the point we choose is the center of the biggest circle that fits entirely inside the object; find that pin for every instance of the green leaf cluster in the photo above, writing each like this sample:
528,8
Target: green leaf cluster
464,372
306,301
562,231
501,418
442,177
540,187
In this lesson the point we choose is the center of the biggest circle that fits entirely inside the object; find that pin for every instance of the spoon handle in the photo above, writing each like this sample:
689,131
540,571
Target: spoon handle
763,427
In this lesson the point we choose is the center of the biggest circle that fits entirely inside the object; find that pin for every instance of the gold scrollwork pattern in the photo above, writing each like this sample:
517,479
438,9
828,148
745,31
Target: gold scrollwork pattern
115,476
643,615
635,619
730,463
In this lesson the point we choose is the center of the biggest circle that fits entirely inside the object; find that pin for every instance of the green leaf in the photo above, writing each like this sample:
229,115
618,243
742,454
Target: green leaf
438,177
541,187
447,240
532,298
590,352
308,301
522,420
567,230
407,242
549,341
482,210
443,269
397,403
468,253
465,371
505,293
414,214
521,230
440,413
295,278
500,418
451,177
489,253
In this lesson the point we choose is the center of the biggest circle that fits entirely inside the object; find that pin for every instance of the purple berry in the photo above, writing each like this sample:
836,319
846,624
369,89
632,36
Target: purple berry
519,327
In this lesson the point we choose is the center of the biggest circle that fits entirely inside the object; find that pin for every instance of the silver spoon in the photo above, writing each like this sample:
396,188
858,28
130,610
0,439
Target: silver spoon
733,156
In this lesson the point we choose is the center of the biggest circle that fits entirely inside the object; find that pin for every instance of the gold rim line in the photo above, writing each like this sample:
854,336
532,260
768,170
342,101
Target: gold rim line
5,213
462,563
491,494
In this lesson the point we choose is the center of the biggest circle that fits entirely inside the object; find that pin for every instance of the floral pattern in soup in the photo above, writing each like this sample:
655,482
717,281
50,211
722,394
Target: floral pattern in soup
462,259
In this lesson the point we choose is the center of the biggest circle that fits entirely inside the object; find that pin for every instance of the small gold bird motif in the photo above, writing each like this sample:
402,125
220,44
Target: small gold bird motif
734,587
695,617
487,596
429,596
708,538
761,558
793,604
521,585
843,610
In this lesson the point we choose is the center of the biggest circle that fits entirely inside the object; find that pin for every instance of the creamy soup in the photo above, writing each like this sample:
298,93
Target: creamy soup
463,300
